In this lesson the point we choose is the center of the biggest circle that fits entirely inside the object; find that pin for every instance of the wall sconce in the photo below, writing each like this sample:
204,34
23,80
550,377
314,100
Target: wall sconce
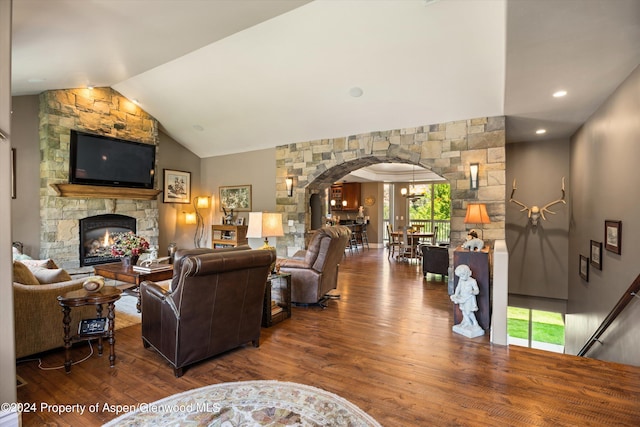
344,203
403,191
190,218
473,175
333,203
289,182
202,202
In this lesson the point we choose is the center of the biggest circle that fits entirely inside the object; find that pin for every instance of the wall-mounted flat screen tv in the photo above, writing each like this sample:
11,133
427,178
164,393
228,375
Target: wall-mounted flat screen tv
101,160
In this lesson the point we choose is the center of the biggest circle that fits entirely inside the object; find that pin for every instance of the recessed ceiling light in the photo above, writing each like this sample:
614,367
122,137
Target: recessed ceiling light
559,94
90,87
198,128
541,131
36,80
356,92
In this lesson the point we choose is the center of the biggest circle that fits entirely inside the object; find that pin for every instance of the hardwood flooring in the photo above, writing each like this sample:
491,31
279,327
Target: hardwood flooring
386,346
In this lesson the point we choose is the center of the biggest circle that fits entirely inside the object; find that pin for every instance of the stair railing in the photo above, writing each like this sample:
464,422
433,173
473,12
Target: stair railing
626,298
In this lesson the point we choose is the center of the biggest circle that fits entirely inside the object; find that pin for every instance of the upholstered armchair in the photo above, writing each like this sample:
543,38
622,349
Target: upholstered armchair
215,306
314,272
435,259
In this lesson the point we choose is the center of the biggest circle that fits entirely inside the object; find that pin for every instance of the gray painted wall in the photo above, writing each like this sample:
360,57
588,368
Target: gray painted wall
257,168
173,229
538,256
25,208
604,162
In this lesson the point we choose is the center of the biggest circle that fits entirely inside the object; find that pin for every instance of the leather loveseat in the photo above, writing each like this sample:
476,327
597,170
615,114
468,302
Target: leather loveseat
215,306
314,271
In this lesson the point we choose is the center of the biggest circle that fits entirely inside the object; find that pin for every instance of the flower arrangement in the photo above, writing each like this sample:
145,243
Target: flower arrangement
128,244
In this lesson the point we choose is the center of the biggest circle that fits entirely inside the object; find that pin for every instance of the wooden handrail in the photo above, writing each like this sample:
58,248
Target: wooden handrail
622,303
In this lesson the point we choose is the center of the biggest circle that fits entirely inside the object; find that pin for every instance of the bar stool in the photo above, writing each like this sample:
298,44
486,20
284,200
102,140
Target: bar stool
364,239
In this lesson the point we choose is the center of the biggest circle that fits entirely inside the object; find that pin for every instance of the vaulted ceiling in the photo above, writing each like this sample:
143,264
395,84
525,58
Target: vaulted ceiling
229,76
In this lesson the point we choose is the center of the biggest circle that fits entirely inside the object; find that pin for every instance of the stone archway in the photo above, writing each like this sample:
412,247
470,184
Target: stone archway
446,149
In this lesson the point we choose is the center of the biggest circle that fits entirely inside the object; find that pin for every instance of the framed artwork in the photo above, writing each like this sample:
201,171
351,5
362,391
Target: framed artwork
613,236
240,221
177,186
584,268
13,173
595,257
236,197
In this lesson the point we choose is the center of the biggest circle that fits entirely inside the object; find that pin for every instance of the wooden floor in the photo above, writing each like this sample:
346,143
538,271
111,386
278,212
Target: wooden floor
386,346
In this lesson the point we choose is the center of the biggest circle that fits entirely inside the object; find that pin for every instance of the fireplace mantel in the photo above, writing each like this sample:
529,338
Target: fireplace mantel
100,192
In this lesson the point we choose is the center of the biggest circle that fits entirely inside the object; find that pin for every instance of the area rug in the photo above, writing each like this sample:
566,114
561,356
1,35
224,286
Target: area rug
126,311
249,403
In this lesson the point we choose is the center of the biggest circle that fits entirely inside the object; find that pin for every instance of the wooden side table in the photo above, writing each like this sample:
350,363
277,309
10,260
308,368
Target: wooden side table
107,295
277,290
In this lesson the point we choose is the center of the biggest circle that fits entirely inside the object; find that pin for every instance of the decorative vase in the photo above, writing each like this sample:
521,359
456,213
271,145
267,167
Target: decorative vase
129,260
93,283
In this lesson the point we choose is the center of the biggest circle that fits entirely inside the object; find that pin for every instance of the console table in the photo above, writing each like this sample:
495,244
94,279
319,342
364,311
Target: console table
228,235
107,295
479,263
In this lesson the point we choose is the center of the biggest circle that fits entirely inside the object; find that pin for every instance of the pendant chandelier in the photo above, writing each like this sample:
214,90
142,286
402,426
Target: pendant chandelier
411,194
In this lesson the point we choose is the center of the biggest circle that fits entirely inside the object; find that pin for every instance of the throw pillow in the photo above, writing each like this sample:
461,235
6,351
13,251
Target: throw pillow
50,275
22,274
39,263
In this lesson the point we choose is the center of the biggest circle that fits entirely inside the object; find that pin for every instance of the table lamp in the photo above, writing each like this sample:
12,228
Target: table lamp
265,225
477,214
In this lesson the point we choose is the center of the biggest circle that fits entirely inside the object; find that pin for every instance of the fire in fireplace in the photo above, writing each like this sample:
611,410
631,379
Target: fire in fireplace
95,236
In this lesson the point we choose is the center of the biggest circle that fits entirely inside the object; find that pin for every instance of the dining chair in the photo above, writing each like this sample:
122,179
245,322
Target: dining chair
394,242
407,246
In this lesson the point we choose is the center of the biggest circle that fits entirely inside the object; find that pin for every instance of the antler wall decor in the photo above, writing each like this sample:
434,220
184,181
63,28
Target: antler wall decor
534,212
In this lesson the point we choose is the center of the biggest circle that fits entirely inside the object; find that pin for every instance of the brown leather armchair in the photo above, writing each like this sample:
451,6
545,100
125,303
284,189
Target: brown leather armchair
314,272
216,306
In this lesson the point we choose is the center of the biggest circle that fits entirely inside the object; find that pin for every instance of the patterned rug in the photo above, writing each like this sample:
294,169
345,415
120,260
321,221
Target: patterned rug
249,403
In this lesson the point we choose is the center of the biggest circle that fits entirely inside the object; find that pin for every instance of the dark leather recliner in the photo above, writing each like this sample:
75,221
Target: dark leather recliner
215,306
314,271
435,259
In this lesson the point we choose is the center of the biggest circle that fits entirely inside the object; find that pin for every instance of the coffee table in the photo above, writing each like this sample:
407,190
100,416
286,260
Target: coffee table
131,278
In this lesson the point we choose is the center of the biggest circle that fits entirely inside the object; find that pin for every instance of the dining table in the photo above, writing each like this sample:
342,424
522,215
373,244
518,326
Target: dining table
414,236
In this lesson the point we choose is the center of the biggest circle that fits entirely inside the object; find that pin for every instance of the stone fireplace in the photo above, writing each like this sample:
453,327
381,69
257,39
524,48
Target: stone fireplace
100,111
95,237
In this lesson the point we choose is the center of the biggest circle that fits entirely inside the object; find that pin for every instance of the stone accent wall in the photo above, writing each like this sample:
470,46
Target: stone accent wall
100,111
445,148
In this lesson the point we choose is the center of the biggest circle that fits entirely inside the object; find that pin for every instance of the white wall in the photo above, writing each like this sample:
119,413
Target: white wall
7,349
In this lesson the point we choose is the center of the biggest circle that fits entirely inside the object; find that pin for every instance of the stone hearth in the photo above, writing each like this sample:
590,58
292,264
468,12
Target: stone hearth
100,111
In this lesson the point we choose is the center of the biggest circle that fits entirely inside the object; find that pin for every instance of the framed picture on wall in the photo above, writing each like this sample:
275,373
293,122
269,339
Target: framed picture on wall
177,186
595,257
237,197
613,236
584,268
